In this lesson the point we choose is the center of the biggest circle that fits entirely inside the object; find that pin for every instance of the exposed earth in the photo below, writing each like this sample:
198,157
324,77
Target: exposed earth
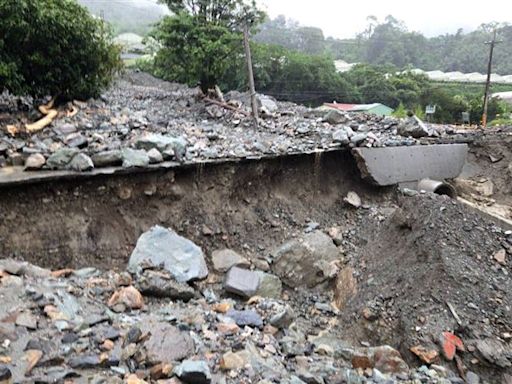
275,268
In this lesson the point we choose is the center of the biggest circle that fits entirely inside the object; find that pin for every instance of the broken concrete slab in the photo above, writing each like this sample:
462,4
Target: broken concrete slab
393,165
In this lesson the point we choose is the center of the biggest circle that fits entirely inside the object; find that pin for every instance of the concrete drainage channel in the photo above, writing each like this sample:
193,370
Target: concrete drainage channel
302,269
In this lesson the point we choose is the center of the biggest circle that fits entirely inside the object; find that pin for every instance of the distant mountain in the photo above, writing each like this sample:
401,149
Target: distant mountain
136,16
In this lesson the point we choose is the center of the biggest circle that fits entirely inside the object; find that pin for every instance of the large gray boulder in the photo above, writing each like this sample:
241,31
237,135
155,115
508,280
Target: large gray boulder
308,263
165,248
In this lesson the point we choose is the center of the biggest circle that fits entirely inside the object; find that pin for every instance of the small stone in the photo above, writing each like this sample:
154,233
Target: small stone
501,257
428,356
247,317
61,158
270,286
80,163
167,344
193,372
35,162
5,375
32,357
335,117
345,288
225,259
472,378
27,320
353,199
107,345
340,136
236,360
228,328
155,157
242,282
85,362
161,284
283,319
135,158
129,296
107,159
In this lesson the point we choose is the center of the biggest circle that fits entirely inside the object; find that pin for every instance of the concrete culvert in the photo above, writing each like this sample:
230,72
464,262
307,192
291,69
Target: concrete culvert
437,187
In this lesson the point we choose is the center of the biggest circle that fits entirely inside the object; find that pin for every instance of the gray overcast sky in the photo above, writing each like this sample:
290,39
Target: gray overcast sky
345,18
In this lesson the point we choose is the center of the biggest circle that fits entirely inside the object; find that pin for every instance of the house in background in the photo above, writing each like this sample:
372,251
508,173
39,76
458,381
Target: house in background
375,109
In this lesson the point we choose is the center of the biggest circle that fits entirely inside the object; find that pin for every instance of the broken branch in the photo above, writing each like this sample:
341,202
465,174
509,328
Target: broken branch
40,124
226,106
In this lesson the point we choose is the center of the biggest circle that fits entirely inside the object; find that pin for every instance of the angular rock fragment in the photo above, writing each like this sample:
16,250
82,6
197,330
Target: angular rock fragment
167,344
161,284
248,317
194,372
242,282
129,296
164,248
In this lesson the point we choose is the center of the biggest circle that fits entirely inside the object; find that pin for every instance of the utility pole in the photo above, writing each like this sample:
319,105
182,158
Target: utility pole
488,83
250,74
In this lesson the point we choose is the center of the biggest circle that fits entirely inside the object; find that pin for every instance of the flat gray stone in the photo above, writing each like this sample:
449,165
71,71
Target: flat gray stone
393,165
165,248
246,318
242,282
224,260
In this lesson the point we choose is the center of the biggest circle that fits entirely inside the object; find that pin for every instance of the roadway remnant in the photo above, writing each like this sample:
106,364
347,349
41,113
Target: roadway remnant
393,165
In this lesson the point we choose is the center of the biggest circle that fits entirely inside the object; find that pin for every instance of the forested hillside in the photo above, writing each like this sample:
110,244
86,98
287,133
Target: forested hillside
391,43
127,15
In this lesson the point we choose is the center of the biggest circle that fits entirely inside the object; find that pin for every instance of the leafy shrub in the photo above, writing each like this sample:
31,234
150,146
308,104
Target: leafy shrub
54,47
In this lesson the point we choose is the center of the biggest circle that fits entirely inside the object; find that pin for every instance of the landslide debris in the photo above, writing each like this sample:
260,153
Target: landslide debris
419,296
436,270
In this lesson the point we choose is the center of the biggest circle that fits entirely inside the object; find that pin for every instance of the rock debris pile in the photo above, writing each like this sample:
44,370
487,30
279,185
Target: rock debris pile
143,121
421,294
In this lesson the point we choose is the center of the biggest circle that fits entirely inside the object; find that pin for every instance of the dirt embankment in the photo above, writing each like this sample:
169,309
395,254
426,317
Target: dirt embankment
251,206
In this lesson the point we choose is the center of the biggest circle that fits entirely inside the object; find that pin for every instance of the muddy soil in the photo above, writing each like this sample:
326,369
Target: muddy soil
433,253
490,158
249,206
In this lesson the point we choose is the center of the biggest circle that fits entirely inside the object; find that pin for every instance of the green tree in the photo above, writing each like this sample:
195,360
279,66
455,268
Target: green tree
201,38
54,47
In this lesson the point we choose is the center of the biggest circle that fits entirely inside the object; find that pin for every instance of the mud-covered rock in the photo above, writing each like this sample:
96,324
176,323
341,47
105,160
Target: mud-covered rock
308,262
